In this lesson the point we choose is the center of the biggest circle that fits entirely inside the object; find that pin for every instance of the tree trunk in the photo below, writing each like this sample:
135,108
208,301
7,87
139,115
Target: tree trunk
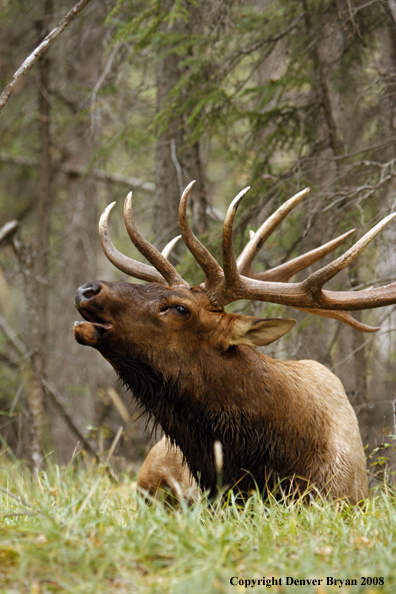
176,162
36,271
76,371
360,393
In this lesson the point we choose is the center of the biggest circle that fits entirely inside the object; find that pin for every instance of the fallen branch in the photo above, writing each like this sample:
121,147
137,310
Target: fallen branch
40,50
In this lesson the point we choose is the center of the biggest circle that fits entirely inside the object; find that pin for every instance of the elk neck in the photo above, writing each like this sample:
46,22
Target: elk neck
245,420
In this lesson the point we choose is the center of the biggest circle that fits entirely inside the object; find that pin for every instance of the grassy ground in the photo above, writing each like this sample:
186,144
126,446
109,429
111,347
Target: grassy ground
80,532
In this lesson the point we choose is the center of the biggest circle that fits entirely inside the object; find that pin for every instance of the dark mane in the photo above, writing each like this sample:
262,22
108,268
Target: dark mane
194,427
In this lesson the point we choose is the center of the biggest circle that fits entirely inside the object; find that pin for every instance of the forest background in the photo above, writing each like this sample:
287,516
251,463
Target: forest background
147,96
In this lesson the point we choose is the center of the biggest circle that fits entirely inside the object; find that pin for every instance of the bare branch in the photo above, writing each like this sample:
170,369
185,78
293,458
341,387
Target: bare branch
177,165
13,338
133,182
57,401
40,51
50,390
270,39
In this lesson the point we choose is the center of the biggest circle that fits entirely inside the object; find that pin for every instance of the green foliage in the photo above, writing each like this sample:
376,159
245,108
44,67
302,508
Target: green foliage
380,458
215,88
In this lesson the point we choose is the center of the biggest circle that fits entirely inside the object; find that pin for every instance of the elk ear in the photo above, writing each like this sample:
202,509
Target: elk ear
258,332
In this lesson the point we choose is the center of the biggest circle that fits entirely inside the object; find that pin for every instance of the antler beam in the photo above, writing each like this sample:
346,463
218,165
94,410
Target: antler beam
240,282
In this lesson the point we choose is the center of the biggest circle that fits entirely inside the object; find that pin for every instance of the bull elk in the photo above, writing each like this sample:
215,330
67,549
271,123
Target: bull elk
194,369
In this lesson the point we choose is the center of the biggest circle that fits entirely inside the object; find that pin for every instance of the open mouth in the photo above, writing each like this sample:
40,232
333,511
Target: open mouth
93,318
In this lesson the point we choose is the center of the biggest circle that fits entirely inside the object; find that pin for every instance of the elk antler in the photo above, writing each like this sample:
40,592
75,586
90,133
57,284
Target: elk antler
169,246
285,271
238,281
155,257
162,271
309,293
252,248
207,262
123,263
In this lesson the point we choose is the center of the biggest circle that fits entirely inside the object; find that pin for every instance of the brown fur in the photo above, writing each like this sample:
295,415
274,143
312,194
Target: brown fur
200,379
164,467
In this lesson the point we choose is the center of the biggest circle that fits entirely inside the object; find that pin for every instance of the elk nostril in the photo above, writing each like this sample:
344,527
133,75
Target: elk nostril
90,289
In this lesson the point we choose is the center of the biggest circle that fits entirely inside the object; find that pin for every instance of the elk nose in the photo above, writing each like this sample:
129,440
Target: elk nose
87,291
91,289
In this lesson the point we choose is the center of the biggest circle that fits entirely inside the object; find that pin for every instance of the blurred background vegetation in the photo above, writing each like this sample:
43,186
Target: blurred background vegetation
148,95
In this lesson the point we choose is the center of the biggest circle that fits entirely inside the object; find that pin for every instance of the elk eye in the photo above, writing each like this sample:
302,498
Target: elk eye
183,311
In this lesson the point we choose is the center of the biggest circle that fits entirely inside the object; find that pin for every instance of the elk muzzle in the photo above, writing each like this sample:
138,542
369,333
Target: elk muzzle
91,332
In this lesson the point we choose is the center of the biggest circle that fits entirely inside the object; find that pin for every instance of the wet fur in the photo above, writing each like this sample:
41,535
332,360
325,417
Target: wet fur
287,420
256,446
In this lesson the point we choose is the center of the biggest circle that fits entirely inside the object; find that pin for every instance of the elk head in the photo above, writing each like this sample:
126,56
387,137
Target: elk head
114,311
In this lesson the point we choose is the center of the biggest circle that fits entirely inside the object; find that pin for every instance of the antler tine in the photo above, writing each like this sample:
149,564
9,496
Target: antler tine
285,271
169,246
256,241
166,269
317,279
230,267
123,263
207,262
309,293
341,316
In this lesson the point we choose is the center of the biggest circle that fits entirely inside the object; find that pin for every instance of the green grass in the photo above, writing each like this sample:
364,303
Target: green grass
78,531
